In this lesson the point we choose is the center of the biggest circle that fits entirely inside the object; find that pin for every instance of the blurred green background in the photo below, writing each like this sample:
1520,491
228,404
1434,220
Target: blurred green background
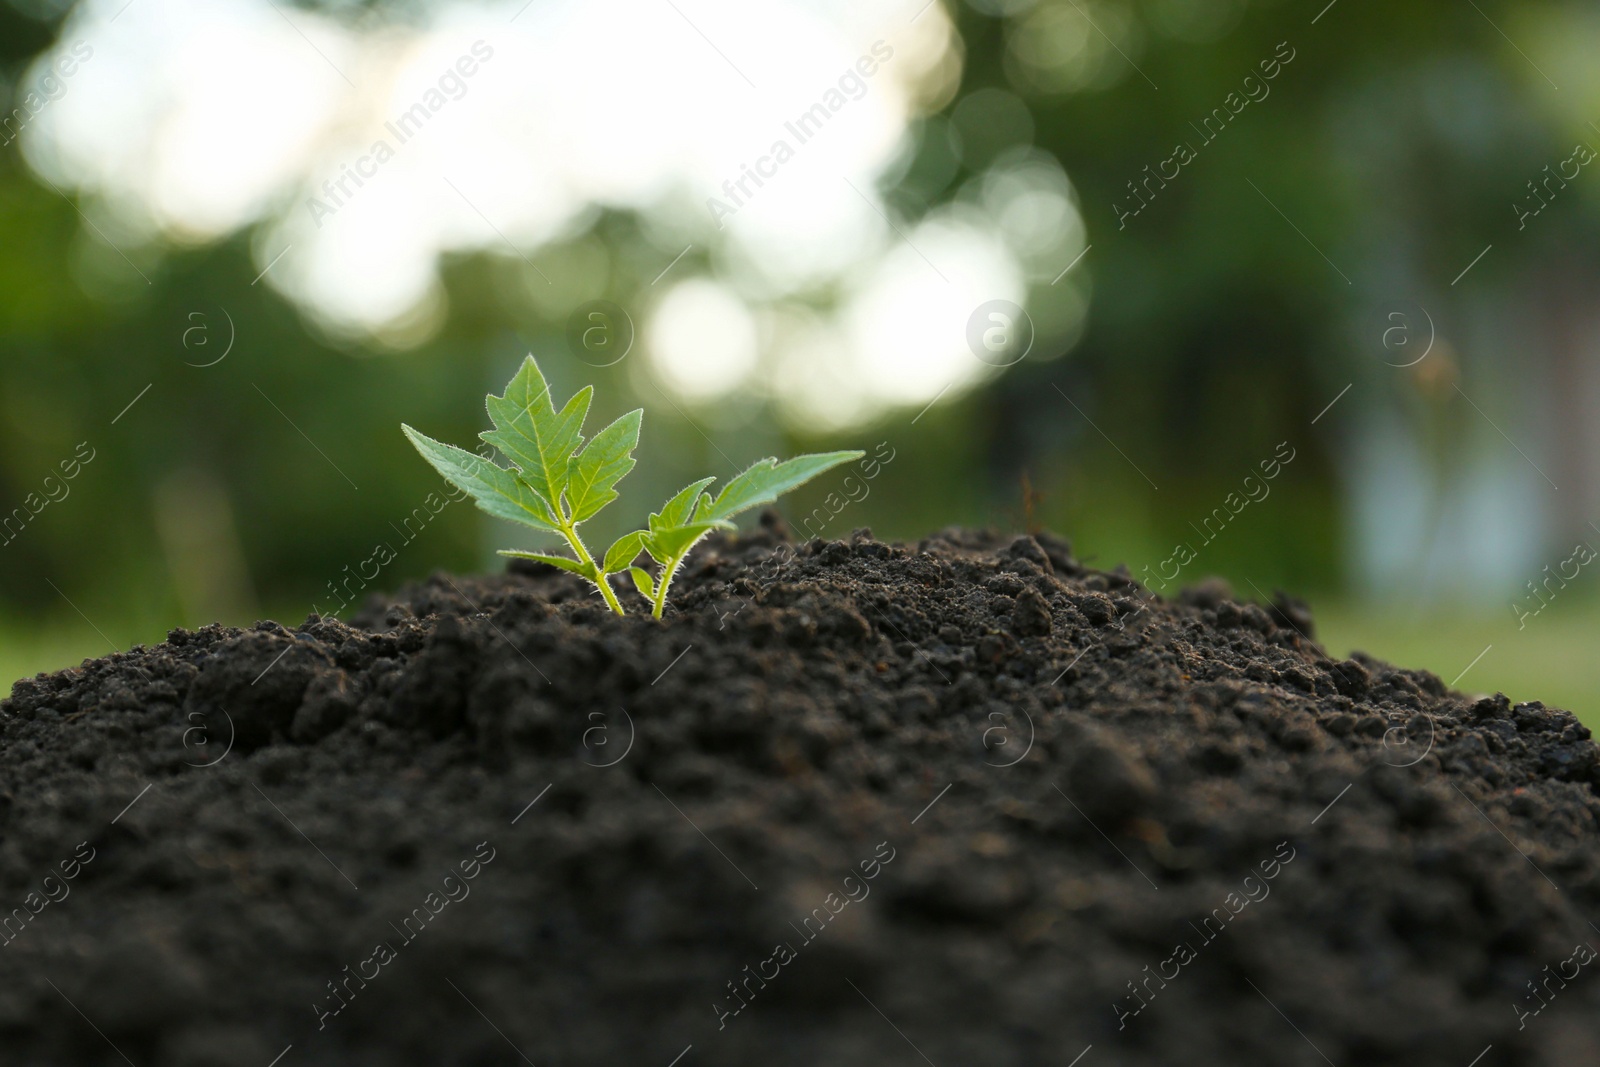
1320,249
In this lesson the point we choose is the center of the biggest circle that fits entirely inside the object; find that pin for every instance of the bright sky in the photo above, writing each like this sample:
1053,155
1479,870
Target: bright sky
361,155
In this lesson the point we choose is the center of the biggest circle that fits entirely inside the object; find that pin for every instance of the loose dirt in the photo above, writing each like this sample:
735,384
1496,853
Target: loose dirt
960,802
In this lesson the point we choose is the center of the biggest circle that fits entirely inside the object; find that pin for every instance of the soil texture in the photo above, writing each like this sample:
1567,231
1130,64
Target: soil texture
966,801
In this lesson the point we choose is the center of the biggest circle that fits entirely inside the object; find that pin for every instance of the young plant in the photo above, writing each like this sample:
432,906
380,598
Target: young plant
557,483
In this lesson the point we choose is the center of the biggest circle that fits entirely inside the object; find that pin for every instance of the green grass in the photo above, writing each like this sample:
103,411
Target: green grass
1552,659
25,651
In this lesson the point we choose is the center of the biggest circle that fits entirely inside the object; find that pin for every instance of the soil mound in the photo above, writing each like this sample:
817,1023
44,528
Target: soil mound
963,802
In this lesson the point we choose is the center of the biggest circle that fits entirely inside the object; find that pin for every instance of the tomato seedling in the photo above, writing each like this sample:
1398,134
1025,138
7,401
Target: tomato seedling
556,483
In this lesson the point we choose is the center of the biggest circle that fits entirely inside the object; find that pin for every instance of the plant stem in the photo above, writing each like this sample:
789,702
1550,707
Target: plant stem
665,580
571,534
668,571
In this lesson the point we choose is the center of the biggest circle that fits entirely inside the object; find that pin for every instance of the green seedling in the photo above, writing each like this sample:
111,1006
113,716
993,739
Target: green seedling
557,483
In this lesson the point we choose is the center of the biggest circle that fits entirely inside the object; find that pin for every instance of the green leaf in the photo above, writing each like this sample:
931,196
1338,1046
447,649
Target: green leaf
675,512
532,434
592,473
672,542
623,551
765,481
498,491
671,533
641,579
566,563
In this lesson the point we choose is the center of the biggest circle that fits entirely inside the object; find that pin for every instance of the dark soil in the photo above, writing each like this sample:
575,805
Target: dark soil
1159,874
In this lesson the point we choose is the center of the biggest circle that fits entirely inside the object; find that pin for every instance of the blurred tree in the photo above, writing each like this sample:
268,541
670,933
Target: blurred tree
1225,316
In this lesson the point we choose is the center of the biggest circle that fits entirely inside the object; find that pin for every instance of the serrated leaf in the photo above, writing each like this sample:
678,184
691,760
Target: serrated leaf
592,473
623,551
583,570
532,434
766,480
496,490
642,581
671,542
676,511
